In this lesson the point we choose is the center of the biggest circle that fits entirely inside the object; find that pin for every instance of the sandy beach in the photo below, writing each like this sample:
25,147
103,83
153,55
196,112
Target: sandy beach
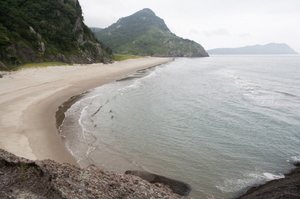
29,100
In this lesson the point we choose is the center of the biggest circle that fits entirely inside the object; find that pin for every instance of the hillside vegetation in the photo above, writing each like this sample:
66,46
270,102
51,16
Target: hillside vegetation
143,33
40,30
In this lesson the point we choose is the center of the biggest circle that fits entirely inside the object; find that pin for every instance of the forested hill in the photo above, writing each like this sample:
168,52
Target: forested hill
143,33
40,30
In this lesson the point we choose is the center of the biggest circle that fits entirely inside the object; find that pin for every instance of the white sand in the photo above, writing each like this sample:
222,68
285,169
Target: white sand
30,98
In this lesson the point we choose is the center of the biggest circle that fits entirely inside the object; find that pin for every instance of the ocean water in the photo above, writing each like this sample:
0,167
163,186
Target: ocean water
222,123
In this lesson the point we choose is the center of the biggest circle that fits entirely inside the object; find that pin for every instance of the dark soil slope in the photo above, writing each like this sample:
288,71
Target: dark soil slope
22,178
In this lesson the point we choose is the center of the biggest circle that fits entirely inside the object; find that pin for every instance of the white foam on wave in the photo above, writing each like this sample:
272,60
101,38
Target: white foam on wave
270,176
89,151
133,84
255,92
250,179
153,73
73,110
294,159
82,122
74,128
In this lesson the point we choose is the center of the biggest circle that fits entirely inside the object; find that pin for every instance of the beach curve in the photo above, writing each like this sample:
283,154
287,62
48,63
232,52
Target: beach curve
29,100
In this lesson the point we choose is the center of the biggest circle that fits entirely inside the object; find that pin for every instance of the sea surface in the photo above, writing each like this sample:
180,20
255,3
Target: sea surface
222,123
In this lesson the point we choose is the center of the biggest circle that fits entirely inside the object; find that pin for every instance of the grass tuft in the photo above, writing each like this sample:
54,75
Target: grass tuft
39,65
23,168
84,175
121,57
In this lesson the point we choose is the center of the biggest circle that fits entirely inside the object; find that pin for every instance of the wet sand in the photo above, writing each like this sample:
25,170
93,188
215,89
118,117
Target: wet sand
30,98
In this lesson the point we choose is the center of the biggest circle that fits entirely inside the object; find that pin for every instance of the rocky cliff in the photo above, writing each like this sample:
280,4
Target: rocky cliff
22,178
39,31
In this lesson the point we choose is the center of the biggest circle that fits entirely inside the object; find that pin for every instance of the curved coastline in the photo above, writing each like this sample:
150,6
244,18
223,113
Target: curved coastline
30,98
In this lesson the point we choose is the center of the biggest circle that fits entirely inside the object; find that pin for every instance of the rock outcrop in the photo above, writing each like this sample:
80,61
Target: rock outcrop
178,187
284,188
22,178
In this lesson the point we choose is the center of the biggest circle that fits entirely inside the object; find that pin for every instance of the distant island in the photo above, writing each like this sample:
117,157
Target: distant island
271,48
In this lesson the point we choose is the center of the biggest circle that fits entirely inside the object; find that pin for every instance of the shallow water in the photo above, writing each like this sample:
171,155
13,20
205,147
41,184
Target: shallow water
221,124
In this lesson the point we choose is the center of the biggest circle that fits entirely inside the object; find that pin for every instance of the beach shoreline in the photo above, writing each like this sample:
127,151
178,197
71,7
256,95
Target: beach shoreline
30,98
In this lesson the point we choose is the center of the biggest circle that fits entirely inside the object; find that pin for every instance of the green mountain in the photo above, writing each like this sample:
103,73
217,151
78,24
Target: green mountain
43,30
143,33
271,48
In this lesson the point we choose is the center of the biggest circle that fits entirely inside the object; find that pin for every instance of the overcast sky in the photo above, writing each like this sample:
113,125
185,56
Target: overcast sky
212,23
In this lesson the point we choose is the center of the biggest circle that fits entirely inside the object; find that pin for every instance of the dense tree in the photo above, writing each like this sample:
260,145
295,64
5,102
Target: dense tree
58,24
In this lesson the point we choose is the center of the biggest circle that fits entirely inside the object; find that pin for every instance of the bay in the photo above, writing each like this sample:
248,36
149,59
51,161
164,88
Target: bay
222,123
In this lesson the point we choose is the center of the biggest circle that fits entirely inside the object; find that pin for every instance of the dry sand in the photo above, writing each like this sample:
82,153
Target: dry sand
29,99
